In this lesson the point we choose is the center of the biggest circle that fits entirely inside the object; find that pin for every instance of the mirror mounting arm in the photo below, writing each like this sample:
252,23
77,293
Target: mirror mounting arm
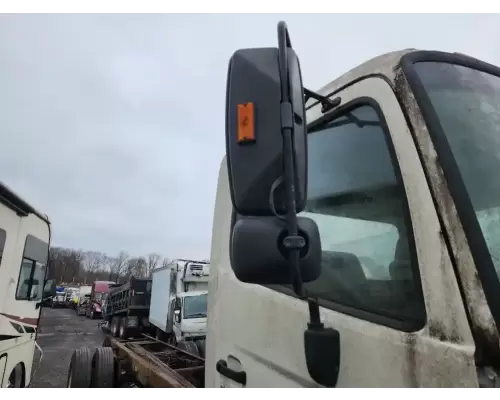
326,103
321,345
292,242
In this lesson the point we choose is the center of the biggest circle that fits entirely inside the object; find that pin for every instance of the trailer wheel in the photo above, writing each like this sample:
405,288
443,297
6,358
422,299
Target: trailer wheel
103,368
200,344
16,378
115,325
188,346
123,331
80,369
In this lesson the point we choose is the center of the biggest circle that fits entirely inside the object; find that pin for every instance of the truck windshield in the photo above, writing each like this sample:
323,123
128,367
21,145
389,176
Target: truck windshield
195,306
467,105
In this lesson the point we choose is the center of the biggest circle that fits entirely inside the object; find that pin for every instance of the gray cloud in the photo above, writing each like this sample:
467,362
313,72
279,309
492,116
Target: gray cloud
114,124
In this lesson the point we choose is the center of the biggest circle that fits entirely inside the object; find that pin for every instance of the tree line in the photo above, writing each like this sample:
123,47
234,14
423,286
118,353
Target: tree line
71,266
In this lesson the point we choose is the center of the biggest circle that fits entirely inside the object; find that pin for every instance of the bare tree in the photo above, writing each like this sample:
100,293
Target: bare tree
65,264
152,263
93,262
118,265
165,262
136,267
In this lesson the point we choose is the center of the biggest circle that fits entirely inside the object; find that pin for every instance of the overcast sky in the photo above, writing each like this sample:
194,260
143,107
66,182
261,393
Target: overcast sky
113,125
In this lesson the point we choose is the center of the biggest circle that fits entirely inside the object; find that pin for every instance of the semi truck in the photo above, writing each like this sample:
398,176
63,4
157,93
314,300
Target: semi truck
178,311
405,144
99,290
24,251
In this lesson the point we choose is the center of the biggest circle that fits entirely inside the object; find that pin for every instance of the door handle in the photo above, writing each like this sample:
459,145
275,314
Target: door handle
237,376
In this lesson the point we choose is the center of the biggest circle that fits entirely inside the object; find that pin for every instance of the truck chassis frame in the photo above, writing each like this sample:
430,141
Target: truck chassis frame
140,362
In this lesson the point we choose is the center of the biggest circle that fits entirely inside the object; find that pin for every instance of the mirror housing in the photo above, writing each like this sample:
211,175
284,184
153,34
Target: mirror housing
268,265
177,315
49,289
256,116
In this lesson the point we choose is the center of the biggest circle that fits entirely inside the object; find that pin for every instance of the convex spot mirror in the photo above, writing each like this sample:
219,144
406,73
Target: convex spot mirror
255,117
258,256
49,289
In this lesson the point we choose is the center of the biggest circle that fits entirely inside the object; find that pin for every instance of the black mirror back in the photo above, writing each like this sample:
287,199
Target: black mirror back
254,140
257,253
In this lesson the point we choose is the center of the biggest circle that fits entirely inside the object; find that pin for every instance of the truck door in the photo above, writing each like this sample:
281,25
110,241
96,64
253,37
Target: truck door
176,325
387,283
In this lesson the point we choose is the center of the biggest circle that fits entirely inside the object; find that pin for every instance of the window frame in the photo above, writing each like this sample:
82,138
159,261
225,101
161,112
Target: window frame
372,316
465,211
35,255
2,244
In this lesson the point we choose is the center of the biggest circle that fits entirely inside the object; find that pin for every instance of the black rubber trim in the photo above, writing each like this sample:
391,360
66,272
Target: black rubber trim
6,356
370,315
237,376
458,191
8,337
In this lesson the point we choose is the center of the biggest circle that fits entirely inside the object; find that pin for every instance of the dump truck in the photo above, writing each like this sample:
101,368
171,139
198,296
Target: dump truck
126,309
403,148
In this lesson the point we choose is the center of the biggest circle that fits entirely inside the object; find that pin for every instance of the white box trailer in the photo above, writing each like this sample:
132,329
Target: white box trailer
178,308
160,299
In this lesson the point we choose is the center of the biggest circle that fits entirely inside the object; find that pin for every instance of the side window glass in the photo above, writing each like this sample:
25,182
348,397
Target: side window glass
33,270
3,236
31,279
359,204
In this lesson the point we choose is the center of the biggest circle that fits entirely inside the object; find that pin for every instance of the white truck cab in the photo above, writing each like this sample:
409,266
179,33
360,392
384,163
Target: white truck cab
190,316
401,161
178,307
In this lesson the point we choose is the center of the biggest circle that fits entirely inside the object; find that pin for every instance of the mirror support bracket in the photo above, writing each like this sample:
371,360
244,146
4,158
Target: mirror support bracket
322,346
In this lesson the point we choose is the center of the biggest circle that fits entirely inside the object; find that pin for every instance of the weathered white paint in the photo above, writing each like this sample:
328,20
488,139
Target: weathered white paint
20,349
262,330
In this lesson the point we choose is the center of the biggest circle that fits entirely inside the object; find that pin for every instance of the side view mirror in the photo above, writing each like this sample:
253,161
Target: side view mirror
266,148
266,152
265,114
177,315
269,265
49,289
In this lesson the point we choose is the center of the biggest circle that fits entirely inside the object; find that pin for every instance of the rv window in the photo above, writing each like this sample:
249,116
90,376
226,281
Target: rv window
3,236
31,278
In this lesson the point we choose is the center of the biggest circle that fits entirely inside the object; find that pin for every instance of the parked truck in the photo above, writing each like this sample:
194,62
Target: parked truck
406,145
83,300
179,303
59,299
99,290
126,308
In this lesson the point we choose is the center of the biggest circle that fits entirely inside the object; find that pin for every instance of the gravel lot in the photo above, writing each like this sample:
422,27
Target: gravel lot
61,332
